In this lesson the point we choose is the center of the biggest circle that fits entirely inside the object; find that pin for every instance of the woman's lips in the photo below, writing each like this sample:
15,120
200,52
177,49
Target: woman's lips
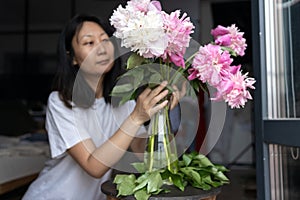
103,62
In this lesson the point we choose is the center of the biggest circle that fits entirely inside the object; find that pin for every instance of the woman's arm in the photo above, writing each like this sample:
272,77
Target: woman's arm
96,161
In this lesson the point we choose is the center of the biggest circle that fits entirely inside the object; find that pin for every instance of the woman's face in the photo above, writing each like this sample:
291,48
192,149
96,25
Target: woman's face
93,50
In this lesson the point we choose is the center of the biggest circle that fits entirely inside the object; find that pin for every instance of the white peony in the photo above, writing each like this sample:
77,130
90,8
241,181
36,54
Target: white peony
145,34
119,20
138,5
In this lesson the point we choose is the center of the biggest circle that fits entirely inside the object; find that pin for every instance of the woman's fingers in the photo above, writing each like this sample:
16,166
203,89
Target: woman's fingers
158,107
158,89
177,94
152,97
145,93
175,97
158,98
148,103
183,89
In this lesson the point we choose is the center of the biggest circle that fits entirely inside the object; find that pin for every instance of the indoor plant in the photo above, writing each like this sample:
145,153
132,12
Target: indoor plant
159,42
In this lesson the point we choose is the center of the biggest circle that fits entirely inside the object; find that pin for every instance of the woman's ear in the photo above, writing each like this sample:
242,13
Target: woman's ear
74,60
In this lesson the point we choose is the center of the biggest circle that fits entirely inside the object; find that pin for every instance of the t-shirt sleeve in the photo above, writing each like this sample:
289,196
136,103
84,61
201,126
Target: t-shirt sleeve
61,126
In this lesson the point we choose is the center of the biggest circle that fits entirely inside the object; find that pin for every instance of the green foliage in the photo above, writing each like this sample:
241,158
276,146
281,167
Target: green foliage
150,73
134,60
125,184
194,169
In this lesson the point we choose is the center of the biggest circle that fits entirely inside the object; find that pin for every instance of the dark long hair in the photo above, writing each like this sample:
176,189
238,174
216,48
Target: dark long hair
68,77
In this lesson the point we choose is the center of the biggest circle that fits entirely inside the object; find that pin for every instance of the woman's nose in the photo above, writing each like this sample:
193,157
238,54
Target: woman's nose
100,48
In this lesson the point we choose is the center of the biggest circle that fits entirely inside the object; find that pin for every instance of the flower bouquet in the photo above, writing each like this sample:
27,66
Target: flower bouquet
159,43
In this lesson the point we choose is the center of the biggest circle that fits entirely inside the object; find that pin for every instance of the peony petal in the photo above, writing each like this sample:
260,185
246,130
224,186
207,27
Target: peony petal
155,5
220,30
224,40
234,69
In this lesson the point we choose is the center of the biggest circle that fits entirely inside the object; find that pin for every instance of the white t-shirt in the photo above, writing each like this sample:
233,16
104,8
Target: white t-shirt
62,178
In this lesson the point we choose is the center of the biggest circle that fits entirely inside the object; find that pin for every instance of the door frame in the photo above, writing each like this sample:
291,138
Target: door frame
267,131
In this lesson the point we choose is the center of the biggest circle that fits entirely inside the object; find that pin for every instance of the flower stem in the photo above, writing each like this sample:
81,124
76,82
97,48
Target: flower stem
190,58
160,153
152,143
166,141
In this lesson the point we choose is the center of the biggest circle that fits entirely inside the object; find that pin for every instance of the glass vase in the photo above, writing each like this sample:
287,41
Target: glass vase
161,151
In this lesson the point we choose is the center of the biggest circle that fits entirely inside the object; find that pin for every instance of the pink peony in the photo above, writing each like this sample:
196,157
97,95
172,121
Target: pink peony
178,30
234,90
230,37
210,64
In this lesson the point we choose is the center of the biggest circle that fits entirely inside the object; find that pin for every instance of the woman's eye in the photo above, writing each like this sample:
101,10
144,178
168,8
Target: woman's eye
106,40
89,43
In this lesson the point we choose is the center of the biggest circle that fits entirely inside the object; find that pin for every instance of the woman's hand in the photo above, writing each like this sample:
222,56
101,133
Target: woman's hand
147,103
177,94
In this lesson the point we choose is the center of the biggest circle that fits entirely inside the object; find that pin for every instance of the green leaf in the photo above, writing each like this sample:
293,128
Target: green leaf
165,174
138,80
193,154
204,161
127,97
202,186
210,169
153,70
127,87
187,159
181,163
134,60
119,178
219,175
142,181
134,72
134,77
192,175
158,191
139,166
216,184
141,195
178,181
155,78
154,182
125,184
221,168
207,179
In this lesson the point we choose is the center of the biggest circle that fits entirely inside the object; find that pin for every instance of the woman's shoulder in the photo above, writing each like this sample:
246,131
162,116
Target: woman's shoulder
53,96
54,100
56,107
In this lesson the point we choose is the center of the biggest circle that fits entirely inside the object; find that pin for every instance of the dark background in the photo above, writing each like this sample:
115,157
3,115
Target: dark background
29,30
